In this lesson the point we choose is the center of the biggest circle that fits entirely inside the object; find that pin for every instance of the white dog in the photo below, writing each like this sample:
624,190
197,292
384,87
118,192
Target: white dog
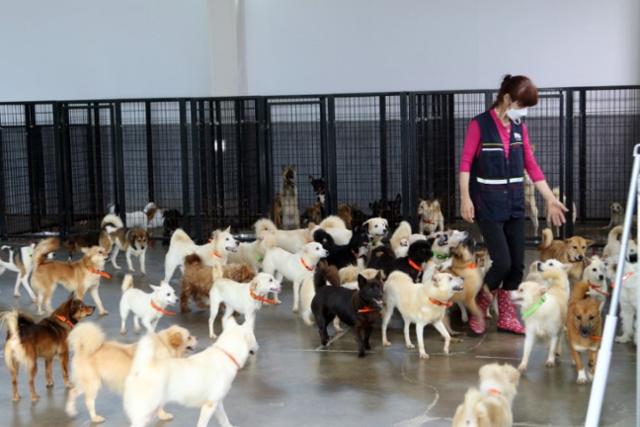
402,238
22,265
544,311
244,298
149,217
294,267
612,248
146,308
252,253
199,381
377,229
215,251
628,308
335,226
422,304
595,273
289,240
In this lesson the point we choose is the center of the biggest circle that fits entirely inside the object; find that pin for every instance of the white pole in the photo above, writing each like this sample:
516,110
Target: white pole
604,355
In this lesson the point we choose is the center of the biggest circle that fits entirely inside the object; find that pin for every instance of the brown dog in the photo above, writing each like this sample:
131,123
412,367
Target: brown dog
198,279
275,211
28,341
572,250
584,329
463,264
133,241
345,213
79,276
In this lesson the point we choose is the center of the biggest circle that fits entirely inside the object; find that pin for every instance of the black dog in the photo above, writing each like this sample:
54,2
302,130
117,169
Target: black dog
382,258
342,256
172,221
391,210
358,309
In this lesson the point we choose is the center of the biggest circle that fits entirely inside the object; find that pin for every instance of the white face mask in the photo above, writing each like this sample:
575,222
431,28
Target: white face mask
516,115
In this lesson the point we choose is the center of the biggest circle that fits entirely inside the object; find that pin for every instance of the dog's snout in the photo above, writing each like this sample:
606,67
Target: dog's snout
580,257
601,277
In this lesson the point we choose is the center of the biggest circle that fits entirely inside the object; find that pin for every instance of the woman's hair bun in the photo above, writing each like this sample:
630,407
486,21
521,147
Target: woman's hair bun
506,78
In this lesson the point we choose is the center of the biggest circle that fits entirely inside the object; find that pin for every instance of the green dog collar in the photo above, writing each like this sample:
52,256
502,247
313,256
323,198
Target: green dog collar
441,256
528,312
259,258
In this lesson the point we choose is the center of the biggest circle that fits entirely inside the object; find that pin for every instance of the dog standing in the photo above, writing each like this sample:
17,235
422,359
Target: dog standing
97,361
572,250
584,329
431,218
289,240
133,241
146,308
489,405
21,264
628,307
28,341
289,196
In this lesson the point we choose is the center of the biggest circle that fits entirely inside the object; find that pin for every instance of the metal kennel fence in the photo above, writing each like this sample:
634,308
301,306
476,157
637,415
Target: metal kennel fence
218,160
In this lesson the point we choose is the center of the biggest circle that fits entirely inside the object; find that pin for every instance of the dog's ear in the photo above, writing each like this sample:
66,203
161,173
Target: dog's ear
380,276
85,250
228,229
589,242
154,288
362,281
176,340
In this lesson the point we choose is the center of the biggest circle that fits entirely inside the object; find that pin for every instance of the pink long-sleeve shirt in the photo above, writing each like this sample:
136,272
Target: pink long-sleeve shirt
471,148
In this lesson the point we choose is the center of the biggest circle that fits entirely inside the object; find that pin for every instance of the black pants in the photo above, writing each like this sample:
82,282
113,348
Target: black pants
505,243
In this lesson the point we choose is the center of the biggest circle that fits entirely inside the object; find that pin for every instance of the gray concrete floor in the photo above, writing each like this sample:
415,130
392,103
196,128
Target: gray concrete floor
291,382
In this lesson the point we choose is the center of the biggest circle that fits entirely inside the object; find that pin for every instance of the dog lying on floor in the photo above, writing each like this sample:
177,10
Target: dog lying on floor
79,276
422,304
358,309
584,329
97,361
489,405
21,264
198,381
28,341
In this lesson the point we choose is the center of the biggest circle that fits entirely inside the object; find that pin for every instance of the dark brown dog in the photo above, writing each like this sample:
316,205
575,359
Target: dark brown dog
276,210
28,341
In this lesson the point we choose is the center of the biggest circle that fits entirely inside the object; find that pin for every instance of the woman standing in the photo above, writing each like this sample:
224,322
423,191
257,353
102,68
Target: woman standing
495,156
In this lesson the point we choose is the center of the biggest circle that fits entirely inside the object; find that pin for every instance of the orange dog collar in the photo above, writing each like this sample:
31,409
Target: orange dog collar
100,273
65,321
305,265
415,266
230,356
261,299
494,392
366,309
598,290
216,254
159,309
439,303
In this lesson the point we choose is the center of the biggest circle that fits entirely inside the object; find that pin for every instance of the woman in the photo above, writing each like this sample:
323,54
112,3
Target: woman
495,156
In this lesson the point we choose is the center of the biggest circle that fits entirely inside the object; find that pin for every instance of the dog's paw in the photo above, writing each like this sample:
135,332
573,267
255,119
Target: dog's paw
424,355
622,339
16,295
164,416
35,397
522,368
582,378
104,313
386,343
410,346
97,419
550,363
49,385
16,398
123,332
295,309
71,410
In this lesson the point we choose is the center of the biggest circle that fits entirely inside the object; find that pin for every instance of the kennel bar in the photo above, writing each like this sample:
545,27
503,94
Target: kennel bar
568,155
3,205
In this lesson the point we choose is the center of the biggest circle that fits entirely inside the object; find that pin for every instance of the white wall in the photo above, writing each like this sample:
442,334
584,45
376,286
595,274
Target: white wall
321,46
80,49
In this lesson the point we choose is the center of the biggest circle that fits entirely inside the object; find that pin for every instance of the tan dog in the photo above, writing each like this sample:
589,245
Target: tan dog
79,276
97,361
133,241
346,214
572,250
584,329
490,405
431,218
463,264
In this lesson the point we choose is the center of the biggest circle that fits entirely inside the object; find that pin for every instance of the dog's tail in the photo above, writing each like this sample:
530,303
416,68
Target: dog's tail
180,236
403,232
44,248
580,291
192,260
127,282
547,239
325,273
86,338
111,222
263,226
11,320
614,235
144,354
333,221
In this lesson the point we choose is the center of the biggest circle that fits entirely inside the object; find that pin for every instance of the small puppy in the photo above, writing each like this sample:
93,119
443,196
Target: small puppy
358,309
198,381
584,329
97,361
28,341
289,240
22,264
572,250
294,267
377,229
431,218
146,308
324,274
616,212
422,304
215,251
289,197
342,256
337,228
628,307
133,241
419,253
79,276
595,274
544,311
612,248
252,253
243,298
490,405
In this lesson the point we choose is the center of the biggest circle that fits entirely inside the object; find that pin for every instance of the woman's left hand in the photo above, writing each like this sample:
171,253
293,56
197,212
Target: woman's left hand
556,211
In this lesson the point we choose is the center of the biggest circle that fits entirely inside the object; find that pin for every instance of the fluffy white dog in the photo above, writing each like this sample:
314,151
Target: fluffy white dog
628,308
146,308
335,226
294,267
243,298
199,381
289,240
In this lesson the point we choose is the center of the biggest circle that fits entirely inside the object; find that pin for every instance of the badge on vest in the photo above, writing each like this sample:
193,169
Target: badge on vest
517,136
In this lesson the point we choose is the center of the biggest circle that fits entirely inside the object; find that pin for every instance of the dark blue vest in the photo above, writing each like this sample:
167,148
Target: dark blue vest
497,183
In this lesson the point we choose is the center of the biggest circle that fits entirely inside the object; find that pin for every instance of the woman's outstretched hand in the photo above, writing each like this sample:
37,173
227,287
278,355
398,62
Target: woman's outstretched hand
556,211
466,209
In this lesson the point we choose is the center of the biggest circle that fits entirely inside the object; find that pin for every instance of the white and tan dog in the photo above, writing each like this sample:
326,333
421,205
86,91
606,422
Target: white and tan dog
616,212
489,405
444,241
215,251
199,381
612,248
402,238
98,362
149,217
146,308
134,242
422,304
430,215
289,240
243,298
544,312
295,267
21,264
